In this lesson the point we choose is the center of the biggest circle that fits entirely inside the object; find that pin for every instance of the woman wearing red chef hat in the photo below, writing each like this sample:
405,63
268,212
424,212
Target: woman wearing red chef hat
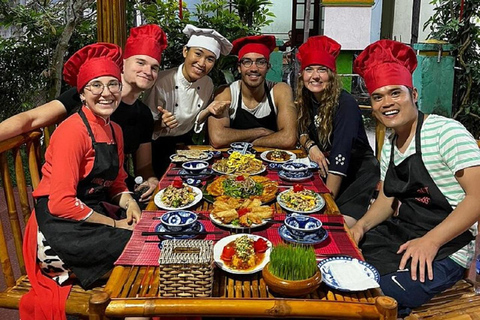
330,122
431,166
72,232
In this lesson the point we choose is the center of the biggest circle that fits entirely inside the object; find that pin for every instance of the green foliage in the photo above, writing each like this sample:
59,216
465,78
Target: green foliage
464,33
25,59
293,262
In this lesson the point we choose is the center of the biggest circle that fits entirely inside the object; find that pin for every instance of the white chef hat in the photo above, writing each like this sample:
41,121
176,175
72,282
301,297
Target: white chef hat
208,39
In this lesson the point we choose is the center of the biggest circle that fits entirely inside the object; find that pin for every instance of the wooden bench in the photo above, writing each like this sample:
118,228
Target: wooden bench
85,304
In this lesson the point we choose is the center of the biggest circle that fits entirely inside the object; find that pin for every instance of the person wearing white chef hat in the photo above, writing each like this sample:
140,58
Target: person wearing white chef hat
180,99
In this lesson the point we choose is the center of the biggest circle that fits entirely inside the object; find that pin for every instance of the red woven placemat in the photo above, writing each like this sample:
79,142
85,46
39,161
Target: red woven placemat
138,252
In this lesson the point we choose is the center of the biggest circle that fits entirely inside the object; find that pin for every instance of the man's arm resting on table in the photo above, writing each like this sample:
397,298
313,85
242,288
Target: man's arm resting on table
39,117
219,131
286,136
423,250
379,211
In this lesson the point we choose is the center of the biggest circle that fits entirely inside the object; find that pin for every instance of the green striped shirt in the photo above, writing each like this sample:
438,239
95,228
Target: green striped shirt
447,147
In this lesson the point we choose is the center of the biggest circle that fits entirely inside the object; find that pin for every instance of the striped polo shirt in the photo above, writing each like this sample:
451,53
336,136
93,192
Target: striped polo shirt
447,147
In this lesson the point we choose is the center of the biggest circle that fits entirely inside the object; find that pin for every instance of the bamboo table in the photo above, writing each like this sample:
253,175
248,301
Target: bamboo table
134,292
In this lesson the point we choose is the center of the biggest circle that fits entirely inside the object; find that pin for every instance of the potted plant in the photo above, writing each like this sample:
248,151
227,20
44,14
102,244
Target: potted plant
292,270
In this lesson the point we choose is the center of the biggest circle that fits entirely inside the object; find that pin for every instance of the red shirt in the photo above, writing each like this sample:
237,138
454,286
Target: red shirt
69,159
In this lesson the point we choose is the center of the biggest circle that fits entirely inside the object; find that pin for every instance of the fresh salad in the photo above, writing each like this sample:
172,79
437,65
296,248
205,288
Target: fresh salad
242,187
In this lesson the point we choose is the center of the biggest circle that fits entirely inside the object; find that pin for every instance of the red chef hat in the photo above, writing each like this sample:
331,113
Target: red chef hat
149,40
93,61
263,45
386,62
320,50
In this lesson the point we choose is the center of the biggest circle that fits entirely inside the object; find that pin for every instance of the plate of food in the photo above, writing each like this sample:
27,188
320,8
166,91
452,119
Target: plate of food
243,187
277,156
237,213
242,253
301,200
189,155
178,196
238,163
348,274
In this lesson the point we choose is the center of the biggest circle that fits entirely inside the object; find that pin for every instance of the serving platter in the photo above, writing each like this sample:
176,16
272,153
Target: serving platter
252,173
158,200
320,203
266,156
218,249
189,155
219,223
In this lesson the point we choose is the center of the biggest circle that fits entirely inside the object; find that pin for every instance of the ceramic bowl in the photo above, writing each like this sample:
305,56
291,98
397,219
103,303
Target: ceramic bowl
289,288
195,166
238,146
301,225
295,167
193,182
215,153
180,220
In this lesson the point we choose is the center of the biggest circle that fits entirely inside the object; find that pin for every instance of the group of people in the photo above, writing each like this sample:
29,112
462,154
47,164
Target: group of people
419,233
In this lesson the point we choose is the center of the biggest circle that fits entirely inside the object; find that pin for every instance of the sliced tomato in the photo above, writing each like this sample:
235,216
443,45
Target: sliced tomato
227,253
243,211
260,245
177,184
239,178
298,188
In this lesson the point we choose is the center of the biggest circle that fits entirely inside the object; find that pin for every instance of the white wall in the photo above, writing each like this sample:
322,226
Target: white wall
349,26
402,25
282,23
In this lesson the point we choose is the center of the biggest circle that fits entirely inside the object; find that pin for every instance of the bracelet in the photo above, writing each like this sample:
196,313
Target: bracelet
114,223
307,143
310,147
128,202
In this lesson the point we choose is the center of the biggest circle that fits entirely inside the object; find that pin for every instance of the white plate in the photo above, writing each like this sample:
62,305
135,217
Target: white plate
264,157
250,173
357,275
318,207
207,157
218,248
158,200
219,222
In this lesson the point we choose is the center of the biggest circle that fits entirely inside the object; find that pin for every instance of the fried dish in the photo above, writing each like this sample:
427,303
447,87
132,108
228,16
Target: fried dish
240,212
244,253
244,186
187,155
239,164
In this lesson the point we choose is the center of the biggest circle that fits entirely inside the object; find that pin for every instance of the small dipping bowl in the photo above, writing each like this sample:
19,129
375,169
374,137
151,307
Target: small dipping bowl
295,167
215,153
195,166
301,225
193,182
178,221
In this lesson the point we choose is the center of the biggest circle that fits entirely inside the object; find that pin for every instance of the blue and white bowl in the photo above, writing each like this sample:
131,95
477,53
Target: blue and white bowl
193,182
301,225
215,153
195,166
238,146
295,167
180,220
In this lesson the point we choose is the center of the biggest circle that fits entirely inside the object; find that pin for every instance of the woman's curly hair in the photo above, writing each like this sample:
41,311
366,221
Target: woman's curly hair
327,105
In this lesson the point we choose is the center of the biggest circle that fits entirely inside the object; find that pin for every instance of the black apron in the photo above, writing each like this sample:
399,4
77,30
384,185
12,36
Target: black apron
245,120
88,249
422,208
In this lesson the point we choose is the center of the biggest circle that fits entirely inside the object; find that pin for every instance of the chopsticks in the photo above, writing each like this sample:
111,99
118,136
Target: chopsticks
175,233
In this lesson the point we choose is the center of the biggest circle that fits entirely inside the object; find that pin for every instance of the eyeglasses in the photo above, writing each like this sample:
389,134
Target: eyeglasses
97,87
247,63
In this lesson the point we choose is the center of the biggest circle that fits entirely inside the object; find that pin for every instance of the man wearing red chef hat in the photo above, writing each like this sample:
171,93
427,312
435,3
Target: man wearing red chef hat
260,111
430,164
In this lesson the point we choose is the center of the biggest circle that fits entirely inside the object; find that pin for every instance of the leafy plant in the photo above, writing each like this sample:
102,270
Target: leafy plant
292,262
458,23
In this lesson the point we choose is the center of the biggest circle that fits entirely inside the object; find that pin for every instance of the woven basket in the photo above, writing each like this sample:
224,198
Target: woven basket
186,268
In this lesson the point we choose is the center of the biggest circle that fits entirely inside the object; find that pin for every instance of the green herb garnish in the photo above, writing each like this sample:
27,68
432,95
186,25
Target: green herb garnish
293,262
